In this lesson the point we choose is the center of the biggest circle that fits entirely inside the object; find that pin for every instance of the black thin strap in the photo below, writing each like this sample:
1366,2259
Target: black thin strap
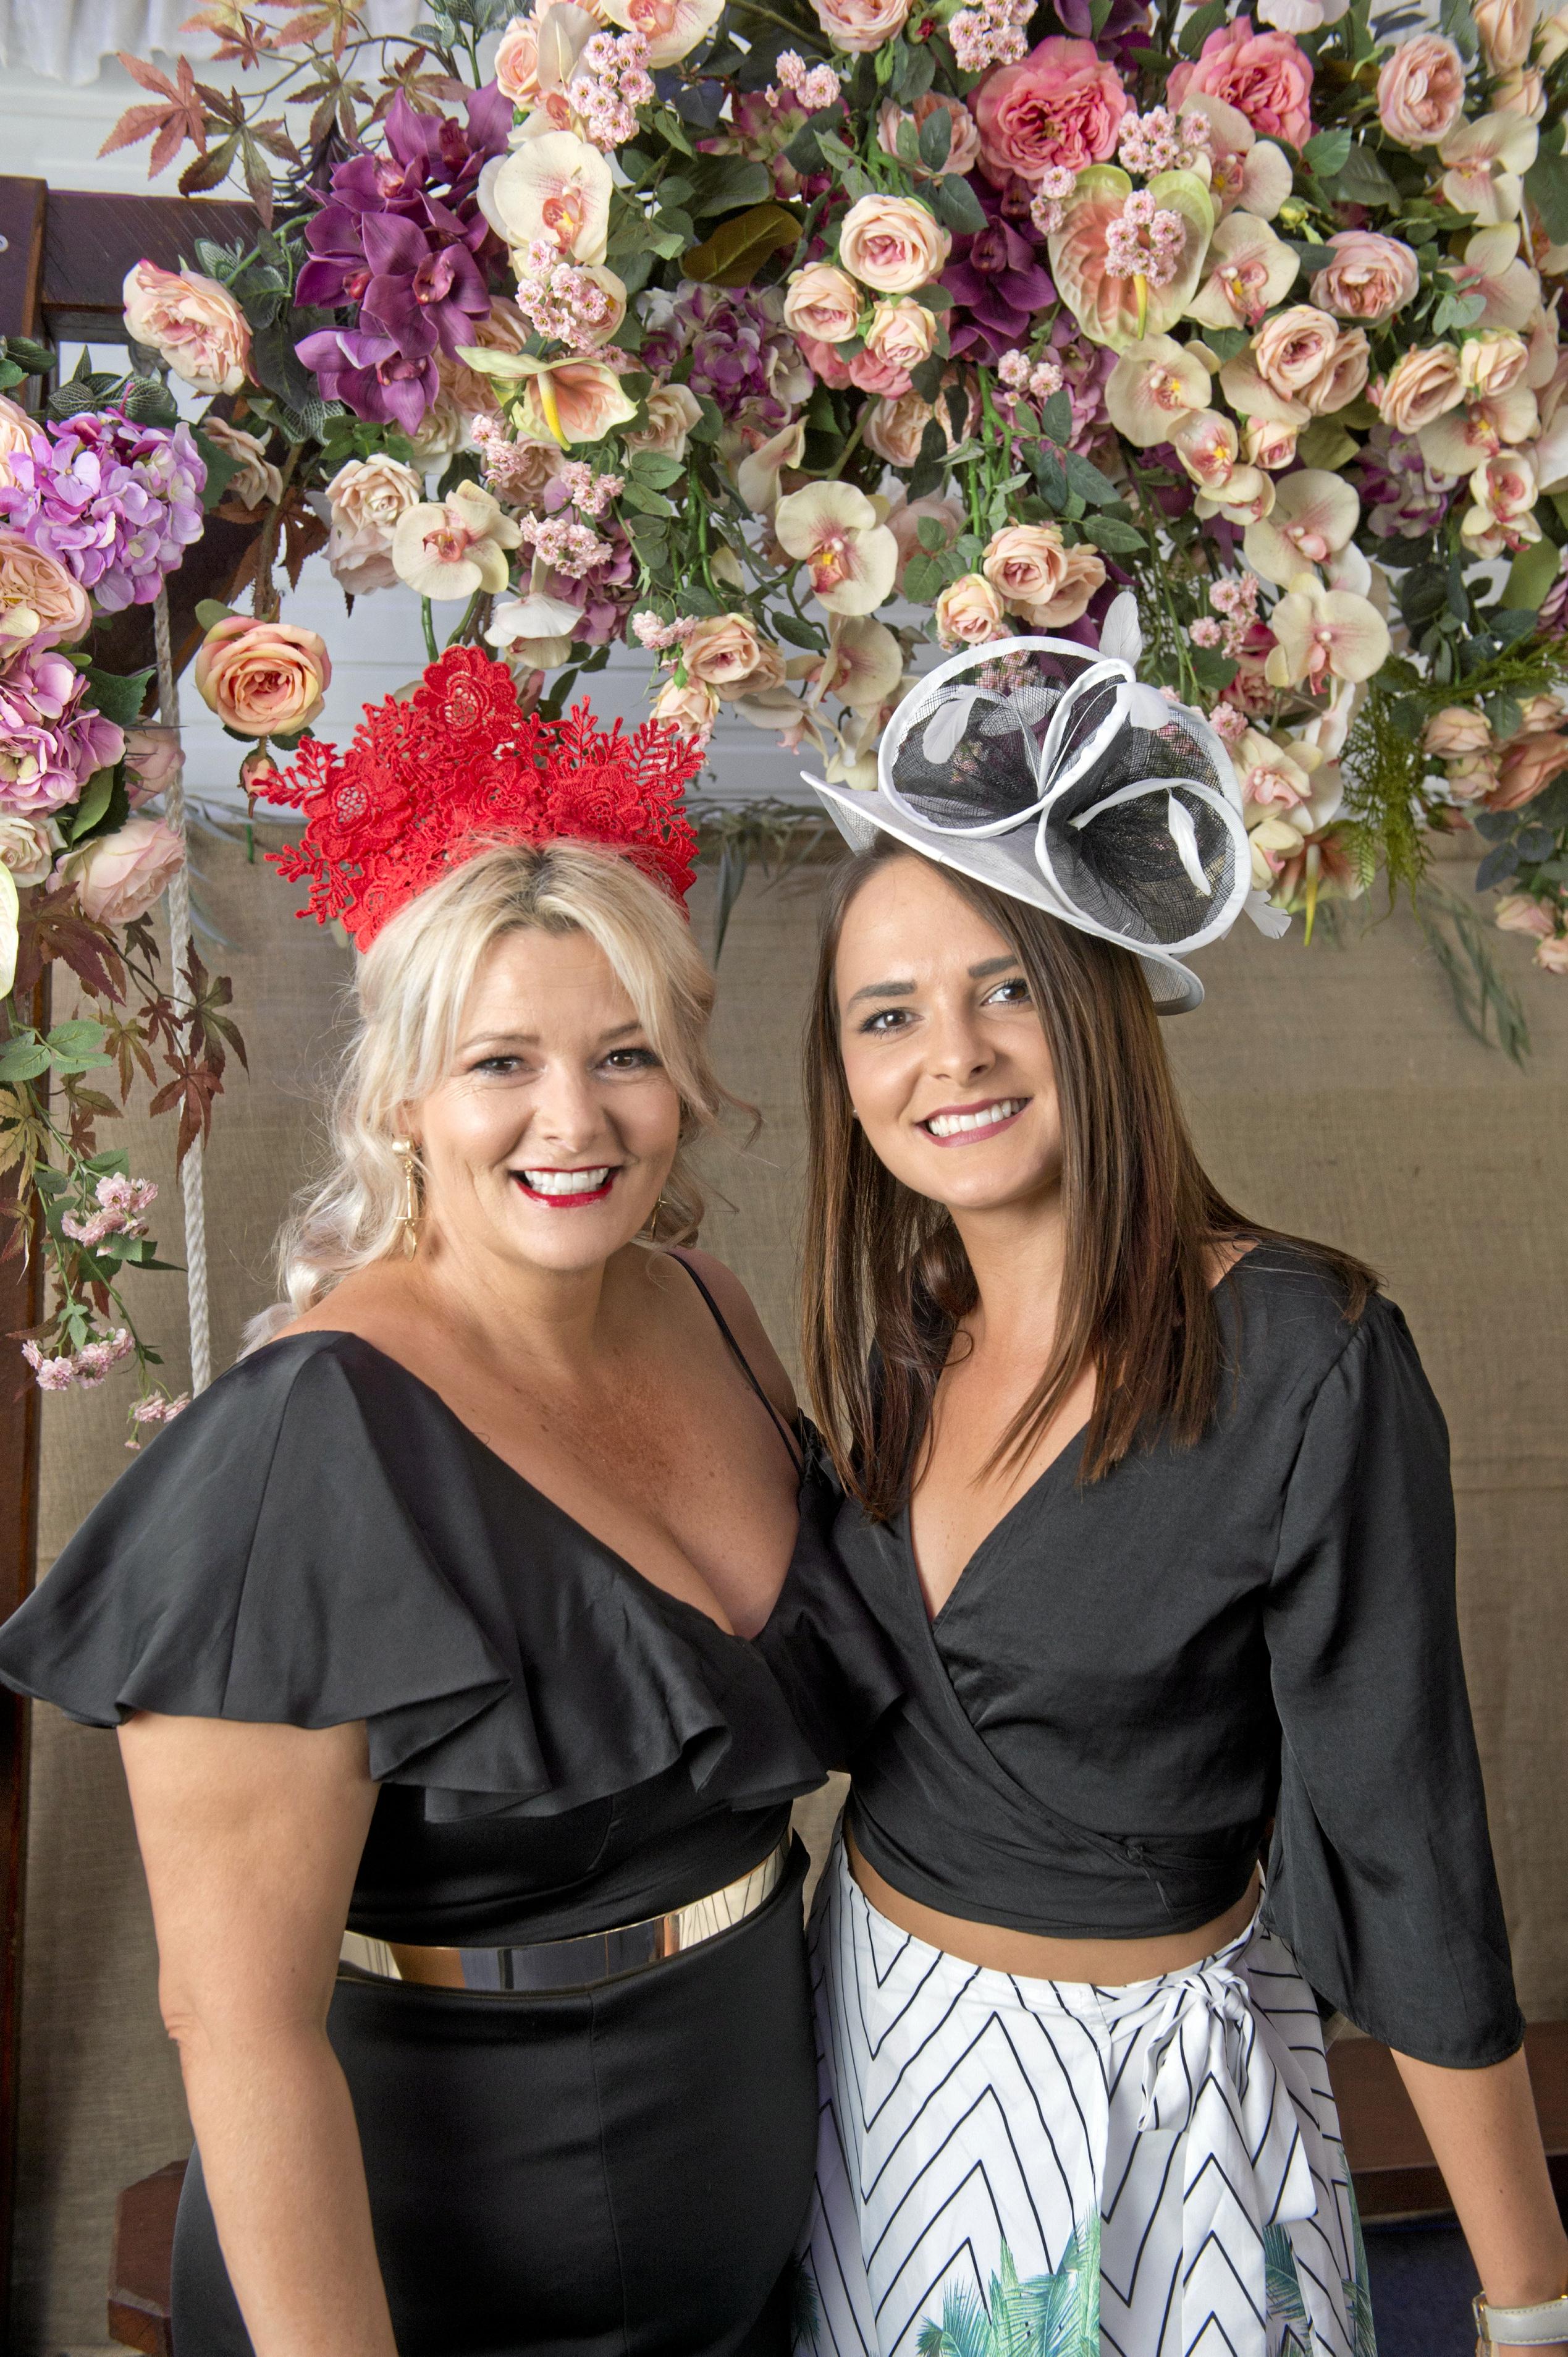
792,1440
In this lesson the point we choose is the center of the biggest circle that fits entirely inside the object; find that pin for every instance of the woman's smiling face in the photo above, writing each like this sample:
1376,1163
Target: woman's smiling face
944,1052
550,1137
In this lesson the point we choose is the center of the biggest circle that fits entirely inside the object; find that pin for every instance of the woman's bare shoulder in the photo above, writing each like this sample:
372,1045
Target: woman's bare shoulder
739,1313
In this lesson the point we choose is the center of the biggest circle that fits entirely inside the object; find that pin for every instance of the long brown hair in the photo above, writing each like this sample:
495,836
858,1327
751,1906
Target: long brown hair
887,1280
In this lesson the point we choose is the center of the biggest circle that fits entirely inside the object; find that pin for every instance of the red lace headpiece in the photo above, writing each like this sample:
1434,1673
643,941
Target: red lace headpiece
429,782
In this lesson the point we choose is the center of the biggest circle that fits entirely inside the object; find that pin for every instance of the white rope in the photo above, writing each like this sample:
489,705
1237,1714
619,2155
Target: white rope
179,952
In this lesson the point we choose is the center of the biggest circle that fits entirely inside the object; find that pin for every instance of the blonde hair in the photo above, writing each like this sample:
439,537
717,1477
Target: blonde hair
412,987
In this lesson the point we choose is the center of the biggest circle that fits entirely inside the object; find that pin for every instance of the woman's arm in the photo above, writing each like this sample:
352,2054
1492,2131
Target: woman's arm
1485,2138
251,1837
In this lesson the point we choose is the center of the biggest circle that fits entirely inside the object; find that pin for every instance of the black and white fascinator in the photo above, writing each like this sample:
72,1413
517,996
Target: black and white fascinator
1053,774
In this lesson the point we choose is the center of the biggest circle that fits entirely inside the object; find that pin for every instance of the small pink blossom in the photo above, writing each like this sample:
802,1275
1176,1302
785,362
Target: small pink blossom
610,83
993,34
129,1196
574,549
52,1374
1144,242
565,302
1228,724
1163,142
659,636
813,87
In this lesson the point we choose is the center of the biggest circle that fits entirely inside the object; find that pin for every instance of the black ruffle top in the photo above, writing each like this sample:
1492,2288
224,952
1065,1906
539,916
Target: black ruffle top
1133,1676
561,1745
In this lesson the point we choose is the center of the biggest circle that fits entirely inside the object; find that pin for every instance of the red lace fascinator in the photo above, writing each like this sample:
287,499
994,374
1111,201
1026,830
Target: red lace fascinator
431,782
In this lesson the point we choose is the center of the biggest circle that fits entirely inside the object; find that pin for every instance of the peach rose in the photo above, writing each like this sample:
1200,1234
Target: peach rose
693,708
1061,107
1540,711
1425,383
41,603
964,149
895,430
861,25
1421,91
1492,363
153,761
1026,565
28,847
1506,28
516,66
901,335
724,652
1293,348
1472,777
1552,954
262,679
256,482
1370,277
118,877
191,323
969,612
1459,728
821,303
673,411
1349,363
16,431
1515,913
367,497
1521,91
1269,442
1527,764
892,244
1267,77
1083,572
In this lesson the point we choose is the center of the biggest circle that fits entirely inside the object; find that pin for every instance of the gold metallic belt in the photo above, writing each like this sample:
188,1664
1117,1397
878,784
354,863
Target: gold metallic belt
583,1963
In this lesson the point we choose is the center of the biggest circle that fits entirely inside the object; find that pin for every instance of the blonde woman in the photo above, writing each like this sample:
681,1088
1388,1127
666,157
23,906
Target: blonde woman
461,1790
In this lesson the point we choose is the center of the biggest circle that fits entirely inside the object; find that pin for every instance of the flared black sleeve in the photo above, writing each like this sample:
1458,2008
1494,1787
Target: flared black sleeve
1381,1876
318,1540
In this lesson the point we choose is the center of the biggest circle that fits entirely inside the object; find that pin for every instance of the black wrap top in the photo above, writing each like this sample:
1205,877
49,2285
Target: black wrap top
1133,1676
561,1745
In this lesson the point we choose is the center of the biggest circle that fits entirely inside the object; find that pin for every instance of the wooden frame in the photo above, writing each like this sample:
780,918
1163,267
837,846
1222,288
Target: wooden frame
63,258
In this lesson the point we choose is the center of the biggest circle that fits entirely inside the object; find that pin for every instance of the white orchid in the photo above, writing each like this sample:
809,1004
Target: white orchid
1487,163
1247,271
1323,634
556,189
1312,520
838,535
1155,385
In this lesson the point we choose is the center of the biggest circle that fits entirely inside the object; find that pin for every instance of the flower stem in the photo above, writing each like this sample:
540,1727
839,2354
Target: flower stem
428,618
850,447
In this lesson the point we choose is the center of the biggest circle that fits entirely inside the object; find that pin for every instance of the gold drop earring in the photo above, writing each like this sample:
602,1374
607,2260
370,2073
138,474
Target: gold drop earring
405,1147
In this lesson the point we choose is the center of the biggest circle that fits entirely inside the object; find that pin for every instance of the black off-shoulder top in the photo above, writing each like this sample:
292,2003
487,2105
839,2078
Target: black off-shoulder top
561,1745
1133,1676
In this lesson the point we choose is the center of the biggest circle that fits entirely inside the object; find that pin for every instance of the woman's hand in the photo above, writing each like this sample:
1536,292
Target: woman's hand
1485,2138
251,1837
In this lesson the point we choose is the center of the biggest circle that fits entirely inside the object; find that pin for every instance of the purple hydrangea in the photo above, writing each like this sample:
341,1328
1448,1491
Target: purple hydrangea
742,355
115,502
413,261
1400,494
605,594
51,741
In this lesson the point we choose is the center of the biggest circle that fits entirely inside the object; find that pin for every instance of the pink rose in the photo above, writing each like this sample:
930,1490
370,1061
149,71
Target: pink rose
1267,77
119,876
41,603
1036,576
1061,108
963,151
860,25
1292,350
1421,91
1528,764
1424,384
1506,28
153,761
895,430
969,613
824,363
901,335
892,244
822,304
262,679
192,323
1370,277
516,66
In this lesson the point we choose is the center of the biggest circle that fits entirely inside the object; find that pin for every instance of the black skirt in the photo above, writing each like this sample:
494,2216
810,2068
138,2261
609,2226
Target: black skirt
620,2172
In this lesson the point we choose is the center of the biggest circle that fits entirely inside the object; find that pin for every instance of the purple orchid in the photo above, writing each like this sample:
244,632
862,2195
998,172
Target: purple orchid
413,261
115,502
997,284
370,375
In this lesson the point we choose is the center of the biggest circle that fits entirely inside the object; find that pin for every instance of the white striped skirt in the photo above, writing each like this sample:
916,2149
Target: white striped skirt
1048,2168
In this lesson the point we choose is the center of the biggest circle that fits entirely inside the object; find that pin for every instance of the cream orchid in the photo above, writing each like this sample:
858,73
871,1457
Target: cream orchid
535,629
1250,396
1285,774
1248,270
555,189
671,27
1504,491
862,666
1487,163
1155,385
838,535
1463,439
1490,267
758,476
454,546
1247,497
1206,442
1313,518
1322,634
1242,169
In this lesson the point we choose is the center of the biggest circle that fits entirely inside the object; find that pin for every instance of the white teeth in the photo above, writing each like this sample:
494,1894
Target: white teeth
952,1124
565,1182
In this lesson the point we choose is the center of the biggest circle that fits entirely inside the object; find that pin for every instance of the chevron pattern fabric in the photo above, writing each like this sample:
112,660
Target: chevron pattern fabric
970,2114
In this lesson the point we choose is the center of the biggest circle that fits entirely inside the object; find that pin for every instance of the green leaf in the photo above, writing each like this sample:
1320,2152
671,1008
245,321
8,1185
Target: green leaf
1362,178
798,633
725,184
931,535
149,401
936,139
222,468
648,467
957,205
119,698
1199,27
1226,343
95,798
1087,480
907,140
1056,417
1209,668
1531,576
1118,539
735,252
35,358
210,611
922,578
646,502
1327,151
1456,20
916,72
24,1058
1546,185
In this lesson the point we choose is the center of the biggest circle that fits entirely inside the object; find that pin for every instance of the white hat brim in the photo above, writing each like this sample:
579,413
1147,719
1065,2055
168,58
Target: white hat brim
1005,863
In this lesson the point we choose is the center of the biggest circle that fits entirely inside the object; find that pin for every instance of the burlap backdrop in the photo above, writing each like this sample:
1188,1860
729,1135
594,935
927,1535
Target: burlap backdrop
1333,1091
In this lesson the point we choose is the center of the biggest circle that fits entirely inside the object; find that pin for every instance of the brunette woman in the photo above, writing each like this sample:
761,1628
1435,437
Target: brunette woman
1148,1526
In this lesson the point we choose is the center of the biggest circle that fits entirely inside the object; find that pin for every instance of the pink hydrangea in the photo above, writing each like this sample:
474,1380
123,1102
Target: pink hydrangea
1063,106
1267,77
52,738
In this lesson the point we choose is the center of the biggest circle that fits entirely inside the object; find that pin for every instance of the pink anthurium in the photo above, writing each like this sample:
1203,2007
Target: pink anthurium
1312,520
838,535
1113,305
